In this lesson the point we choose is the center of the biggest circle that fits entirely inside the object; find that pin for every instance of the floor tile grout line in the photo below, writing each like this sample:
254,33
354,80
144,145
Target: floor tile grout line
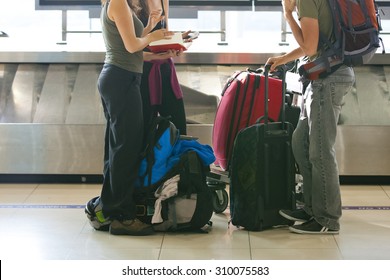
82,206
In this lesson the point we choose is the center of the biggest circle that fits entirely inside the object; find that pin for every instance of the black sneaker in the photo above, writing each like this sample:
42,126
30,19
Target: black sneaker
312,227
130,227
94,213
298,215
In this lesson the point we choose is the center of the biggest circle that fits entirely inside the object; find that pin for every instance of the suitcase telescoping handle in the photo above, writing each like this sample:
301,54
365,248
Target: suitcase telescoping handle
266,90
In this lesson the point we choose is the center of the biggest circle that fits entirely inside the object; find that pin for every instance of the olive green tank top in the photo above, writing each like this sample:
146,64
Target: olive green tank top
116,52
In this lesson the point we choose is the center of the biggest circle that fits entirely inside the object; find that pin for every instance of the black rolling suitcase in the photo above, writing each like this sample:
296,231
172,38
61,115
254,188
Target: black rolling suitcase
262,174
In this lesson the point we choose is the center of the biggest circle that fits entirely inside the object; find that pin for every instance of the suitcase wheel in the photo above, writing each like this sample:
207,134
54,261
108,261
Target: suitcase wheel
220,200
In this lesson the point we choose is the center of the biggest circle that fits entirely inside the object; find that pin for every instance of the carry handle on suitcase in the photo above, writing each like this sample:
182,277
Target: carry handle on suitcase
267,68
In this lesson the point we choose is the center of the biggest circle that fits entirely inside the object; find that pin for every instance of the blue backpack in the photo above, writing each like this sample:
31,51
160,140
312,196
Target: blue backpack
161,138
167,156
164,147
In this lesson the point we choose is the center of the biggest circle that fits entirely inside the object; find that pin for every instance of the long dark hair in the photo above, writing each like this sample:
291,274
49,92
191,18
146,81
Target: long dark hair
133,4
143,12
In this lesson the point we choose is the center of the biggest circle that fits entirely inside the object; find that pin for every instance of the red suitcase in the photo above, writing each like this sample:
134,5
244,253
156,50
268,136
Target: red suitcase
242,103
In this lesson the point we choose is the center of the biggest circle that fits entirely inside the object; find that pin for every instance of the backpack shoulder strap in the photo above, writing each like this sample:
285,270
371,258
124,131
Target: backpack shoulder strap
156,129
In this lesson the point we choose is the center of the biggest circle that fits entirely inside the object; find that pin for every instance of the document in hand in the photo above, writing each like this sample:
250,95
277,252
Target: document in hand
175,43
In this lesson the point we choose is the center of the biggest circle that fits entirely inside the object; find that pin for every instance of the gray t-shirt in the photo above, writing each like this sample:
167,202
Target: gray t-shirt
116,52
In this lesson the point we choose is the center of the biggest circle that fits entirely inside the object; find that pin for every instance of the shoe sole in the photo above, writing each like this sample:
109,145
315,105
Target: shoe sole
95,223
118,231
327,231
284,215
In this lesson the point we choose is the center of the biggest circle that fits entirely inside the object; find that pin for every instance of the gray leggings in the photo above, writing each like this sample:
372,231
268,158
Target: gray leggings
122,104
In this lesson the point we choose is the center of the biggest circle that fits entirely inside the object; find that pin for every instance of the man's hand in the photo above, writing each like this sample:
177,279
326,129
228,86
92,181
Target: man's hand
289,6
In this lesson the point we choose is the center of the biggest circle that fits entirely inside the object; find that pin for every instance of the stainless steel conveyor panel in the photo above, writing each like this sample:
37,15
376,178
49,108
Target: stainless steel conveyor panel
78,149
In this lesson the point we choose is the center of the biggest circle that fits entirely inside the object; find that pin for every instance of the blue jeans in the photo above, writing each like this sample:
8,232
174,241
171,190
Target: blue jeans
313,145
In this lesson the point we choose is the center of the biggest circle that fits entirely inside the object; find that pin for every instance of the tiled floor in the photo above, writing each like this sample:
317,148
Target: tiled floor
48,222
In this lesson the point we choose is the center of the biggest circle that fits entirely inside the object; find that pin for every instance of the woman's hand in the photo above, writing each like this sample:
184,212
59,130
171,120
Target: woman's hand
160,34
185,36
154,18
189,38
169,54
148,56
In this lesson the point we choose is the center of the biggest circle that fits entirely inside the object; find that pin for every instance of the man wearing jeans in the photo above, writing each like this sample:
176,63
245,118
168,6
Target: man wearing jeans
314,138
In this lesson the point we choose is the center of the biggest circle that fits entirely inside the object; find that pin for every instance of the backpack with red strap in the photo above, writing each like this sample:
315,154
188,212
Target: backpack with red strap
356,38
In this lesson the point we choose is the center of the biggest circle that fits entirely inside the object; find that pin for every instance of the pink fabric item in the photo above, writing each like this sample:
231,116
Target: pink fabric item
155,85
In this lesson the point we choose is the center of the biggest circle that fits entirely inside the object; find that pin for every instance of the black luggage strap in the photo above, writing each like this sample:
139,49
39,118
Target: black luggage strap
266,89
